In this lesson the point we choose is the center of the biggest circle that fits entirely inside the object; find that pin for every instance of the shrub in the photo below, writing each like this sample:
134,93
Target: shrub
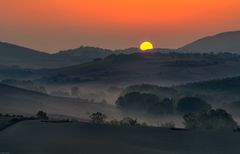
127,121
168,125
192,104
98,118
213,119
144,124
42,115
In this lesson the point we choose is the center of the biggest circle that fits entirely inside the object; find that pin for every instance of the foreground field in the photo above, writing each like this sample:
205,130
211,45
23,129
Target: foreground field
30,137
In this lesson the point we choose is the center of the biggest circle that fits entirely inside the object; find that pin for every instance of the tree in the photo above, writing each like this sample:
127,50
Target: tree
213,119
190,121
42,115
192,104
98,118
145,103
127,121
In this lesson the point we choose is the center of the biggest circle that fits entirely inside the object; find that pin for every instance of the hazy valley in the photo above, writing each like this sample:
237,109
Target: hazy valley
159,88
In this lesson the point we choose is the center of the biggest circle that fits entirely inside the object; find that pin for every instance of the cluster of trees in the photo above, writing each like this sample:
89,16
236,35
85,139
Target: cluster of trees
198,114
127,121
151,104
213,119
11,115
99,118
40,115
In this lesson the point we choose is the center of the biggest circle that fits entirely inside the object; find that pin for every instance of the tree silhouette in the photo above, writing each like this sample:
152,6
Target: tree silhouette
42,115
98,118
213,119
127,121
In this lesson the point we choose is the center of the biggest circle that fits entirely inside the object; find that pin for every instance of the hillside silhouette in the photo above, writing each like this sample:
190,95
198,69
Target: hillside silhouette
223,42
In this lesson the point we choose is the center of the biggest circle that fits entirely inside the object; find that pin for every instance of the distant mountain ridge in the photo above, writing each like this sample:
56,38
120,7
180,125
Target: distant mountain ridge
223,42
14,55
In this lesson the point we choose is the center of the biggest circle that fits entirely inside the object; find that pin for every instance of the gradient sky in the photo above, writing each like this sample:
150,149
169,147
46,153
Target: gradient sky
52,25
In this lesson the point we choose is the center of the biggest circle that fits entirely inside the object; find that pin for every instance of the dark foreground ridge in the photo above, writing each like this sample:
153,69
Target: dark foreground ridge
50,138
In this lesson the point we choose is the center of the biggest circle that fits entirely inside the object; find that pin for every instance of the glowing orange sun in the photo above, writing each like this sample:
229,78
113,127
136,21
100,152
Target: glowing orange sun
145,46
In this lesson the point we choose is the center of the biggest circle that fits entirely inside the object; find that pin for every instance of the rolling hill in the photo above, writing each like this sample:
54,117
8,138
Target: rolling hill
14,55
62,138
223,42
157,68
20,101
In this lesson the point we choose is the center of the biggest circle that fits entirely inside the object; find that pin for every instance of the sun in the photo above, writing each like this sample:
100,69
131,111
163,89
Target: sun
146,46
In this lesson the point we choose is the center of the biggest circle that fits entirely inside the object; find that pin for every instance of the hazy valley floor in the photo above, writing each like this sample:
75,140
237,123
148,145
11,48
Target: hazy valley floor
34,137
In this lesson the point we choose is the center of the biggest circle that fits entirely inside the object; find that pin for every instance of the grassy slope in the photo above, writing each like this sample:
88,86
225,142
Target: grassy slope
19,101
50,138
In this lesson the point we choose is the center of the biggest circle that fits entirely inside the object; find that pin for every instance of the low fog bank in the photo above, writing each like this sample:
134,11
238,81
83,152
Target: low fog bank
81,100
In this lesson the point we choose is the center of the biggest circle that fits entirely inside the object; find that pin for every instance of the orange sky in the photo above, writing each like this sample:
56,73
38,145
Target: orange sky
52,25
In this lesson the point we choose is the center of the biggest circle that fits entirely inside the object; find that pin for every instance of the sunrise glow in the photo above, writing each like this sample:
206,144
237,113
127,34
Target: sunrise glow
63,24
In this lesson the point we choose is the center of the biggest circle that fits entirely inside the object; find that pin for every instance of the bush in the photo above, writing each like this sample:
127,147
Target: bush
144,124
192,104
128,122
214,119
168,125
98,118
42,115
